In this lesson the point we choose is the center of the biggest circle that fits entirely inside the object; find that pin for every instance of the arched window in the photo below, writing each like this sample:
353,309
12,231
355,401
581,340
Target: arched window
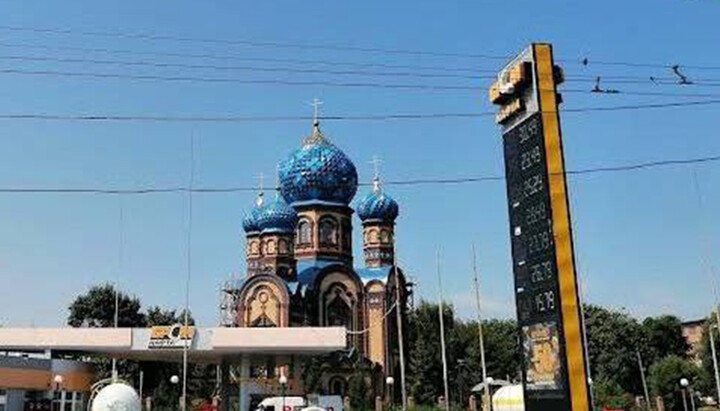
337,386
270,247
338,313
263,321
328,231
304,232
384,236
373,236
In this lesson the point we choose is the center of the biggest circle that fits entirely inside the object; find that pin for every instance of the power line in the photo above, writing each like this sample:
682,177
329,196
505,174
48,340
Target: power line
335,47
231,57
253,43
379,117
221,80
239,68
631,64
265,69
284,82
413,182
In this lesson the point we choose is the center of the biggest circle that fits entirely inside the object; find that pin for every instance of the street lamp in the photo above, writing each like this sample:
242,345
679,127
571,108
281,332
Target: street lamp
58,380
391,393
283,384
684,383
175,380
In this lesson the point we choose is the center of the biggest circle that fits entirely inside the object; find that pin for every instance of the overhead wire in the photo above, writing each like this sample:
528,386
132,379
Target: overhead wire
584,61
265,69
233,57
253,43
412,182
239,68
221,80
379,117
326,83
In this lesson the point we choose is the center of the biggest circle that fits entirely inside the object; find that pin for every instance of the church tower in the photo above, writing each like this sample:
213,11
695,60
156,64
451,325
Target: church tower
319,181
378,212
277,222
270,234
253,244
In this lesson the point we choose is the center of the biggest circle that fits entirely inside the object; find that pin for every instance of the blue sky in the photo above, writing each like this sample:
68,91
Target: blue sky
639,235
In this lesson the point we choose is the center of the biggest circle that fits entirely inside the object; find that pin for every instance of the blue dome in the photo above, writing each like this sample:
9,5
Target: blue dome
318,172
377,206
250,223
277,217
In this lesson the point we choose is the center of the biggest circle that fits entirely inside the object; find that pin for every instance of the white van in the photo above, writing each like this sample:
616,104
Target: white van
328,402
324,402
281,404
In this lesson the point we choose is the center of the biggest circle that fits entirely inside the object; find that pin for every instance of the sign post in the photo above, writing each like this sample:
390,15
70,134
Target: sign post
546,291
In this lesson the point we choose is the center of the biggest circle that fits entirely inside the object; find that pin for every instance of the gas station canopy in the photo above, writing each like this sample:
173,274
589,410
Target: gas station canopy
205,345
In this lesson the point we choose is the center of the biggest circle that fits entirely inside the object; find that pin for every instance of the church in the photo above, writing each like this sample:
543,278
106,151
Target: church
301,270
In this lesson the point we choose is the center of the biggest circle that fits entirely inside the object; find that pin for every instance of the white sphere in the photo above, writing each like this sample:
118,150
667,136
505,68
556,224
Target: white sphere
116,397
174,379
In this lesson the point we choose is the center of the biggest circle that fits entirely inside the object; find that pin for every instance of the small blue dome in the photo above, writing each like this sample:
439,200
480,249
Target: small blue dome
277,217
318,172
377,206
250,223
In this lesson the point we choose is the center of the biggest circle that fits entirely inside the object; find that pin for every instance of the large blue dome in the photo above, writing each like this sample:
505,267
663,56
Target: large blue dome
377,206
318,172
250,224
277,217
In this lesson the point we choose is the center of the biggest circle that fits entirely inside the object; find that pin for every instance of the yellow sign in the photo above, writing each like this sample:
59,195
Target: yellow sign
548,306
171,336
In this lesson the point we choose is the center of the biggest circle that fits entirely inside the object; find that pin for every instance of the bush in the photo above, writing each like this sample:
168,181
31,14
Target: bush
609,394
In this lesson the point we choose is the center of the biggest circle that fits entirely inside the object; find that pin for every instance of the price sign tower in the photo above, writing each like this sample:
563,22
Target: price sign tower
546,291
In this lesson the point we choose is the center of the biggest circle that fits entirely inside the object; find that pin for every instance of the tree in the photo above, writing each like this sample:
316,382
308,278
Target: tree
502,354
664,378
96,309
613,340
159,316
663,337
425,372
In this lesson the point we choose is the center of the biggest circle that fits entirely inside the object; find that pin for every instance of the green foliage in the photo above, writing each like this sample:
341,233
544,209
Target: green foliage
609,394
359,391
662,336
664,379
159,316
425,371
463,354
613,340
96,309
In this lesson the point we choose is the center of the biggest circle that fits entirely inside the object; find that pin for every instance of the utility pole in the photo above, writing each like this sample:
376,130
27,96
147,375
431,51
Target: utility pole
714,355
442,336
486,395
186,319
713,283
642,378
401,344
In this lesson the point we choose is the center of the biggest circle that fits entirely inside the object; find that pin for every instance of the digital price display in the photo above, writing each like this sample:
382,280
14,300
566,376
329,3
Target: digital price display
548,310
534,264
